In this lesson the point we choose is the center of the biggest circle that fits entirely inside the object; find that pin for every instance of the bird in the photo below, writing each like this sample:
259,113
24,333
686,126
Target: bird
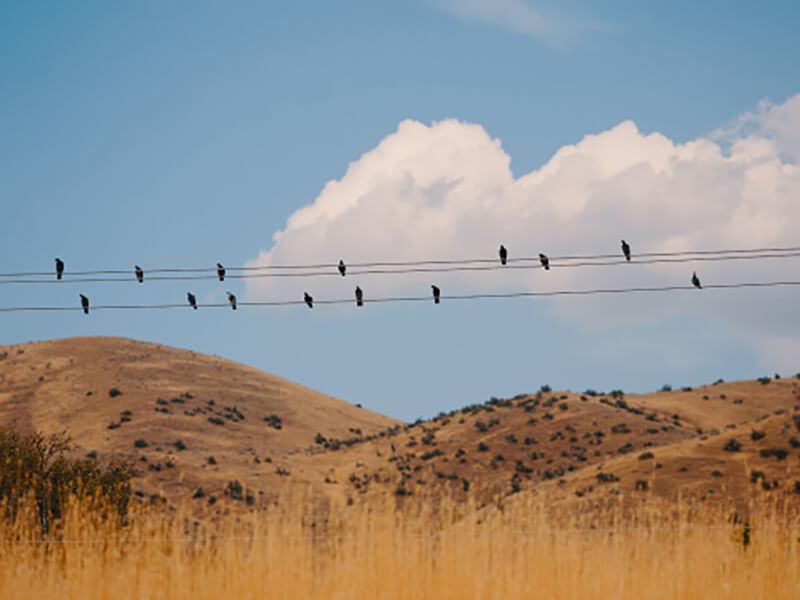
436,293
192,300
220,272
232,300
503,254
626,250
342,267
696,281
139,273
545,260
309,300
84,304
359,297
59,268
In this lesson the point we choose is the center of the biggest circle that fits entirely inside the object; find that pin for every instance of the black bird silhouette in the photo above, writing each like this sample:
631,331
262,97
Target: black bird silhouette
59,268
309,300
436,294
543,258
220,272
503,254
139,273
192,300
626,250
84,304
696,281
342,267
359,297
232,300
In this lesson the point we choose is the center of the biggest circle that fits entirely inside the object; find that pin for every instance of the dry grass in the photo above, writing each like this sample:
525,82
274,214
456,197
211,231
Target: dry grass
408,552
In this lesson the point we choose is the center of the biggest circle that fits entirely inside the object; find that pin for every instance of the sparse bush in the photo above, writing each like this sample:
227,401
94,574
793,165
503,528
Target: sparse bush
779,453
716,473
482,447
180,445
140,443
732,445
641,484
274,421
216,421
756,435
114,392
545,389
646,456
37,466
606,477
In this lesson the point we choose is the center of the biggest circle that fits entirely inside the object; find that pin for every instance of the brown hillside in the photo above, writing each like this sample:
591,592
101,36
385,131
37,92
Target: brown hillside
169,398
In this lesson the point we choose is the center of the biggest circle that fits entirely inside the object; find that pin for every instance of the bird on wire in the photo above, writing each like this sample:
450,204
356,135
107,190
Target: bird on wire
545,260
359,297
220,272
309,300
139,273
503,254
192,300
59,268
232,300
626,250
342,267
436,293
84,304
696,281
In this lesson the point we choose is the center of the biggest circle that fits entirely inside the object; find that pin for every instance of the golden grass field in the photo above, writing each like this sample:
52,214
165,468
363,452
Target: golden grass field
382,551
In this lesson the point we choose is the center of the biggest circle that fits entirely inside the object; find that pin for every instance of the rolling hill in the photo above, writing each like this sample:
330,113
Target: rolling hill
216,434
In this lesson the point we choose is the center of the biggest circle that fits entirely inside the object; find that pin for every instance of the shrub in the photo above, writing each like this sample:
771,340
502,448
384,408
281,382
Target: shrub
140,444
641,484
482,447
756,435
764,380
114,392
274,421
779,453
180,445
716,473
666,388
606,477
732,446
646,455
545,388
37,466
216,421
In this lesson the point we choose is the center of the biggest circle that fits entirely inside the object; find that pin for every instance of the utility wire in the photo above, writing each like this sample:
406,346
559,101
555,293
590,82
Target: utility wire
396,271
482,296
298,267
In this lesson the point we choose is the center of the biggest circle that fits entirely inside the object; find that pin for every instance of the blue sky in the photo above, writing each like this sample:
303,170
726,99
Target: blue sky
183,133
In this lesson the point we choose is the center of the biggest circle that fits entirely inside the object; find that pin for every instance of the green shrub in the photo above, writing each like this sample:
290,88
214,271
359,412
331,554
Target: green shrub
756,435
732,446
646,455
114,392
140,444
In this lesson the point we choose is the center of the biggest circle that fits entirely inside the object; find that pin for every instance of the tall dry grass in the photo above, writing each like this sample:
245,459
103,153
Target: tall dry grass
380,550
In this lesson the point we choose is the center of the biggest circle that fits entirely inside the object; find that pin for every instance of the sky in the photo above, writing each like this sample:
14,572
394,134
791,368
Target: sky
260,133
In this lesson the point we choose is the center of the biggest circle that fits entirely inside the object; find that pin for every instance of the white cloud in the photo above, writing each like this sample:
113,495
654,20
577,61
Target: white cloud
554,27
446,191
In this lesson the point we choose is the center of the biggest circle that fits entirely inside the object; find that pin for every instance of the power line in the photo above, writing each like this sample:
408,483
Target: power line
481,296
474,261
463,267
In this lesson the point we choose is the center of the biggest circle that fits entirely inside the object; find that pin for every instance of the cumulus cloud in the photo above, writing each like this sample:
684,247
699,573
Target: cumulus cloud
446,191
552,26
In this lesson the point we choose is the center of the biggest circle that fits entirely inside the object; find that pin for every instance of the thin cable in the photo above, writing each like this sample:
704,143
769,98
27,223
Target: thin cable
406,263
444,269
482,296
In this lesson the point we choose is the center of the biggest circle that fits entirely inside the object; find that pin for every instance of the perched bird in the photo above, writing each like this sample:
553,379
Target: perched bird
192,300
232,300
220,272
696,281
139,273
436,293
503,254
84,304
342,267
309,300
545,260
626,250
59,268
359,297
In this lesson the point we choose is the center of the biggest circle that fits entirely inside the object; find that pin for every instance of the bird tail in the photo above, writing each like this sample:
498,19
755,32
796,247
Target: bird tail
86,310
547,267
194,306
502,261
436,301
58,275
359,303
628,257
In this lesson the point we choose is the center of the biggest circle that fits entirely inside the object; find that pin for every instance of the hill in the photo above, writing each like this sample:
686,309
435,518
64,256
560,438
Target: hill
188,420
192,422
